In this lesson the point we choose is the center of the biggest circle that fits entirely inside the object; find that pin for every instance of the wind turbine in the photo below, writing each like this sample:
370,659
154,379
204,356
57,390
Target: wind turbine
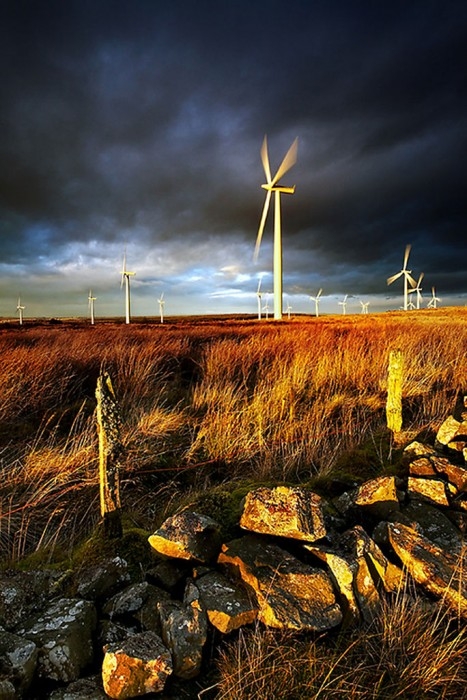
432,304
20,309
161,306
343,303
126,278
266,306
365,305
288,310
271,186
316,300
259,294
406,274
91,301
418,290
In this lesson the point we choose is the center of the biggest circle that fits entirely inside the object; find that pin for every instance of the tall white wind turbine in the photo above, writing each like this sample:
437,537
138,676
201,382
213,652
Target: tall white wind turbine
418,290
126,278
316,300
266,306
161,306
408,279
432,304
20,310
271,186
259,295
343,303
365,305
91,301
288,309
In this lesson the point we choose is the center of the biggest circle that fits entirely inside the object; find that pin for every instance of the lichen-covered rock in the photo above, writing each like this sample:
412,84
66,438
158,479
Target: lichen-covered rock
169,574
23,593
7,690
83,689
378,496
434,491
434,524
189,536
184,631
140,601
447,431
430,566
18,660
290,594
63,634
103,580
417,449
228,604
139,665
455,474
285,512
422,467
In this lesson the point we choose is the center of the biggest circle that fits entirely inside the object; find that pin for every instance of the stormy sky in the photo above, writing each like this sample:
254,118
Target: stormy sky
137,125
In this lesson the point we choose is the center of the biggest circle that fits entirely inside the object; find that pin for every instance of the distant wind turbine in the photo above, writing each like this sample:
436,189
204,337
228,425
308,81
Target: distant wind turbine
316,299
407,276
271,186
288,309
20,309
432,304
161,306
365,305
259,294
343,303
126,278
418,290
266,307
91,301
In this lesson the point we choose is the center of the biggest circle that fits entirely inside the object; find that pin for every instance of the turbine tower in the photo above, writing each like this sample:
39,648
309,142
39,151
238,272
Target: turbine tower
91,301
407,277
343,303
266,306
126,278
365,305
418,290
259,295
20,310
288,310
316,300
272,186
432,304
161,306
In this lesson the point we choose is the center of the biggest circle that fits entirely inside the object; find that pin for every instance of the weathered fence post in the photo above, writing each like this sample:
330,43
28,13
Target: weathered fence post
394,398
110,450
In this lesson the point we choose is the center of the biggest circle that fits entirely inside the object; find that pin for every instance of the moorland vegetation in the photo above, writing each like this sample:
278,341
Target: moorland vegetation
210,409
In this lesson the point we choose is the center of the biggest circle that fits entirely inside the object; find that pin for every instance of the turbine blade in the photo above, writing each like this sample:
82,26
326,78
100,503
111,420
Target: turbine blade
392,279
261,225
265,159
422,275
289,160
411,279
259,286
408,248
320,292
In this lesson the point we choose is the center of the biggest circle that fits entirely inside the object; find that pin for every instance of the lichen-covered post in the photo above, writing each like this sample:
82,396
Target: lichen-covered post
394,398
110,451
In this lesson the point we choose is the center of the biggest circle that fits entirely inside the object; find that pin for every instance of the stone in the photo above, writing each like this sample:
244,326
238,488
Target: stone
431,567
418,449
229,605
378,497
290,594
169,574
83,689
103,580
422,467
18,657
139,601
189,536
63,634
7,690
110,632
139,665
447,431
25,593
433,491
456,475
184,631
433,524
284,511
342,571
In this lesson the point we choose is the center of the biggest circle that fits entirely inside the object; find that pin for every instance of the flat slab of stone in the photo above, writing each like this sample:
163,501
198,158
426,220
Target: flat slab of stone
290,594
435,491
285,512
431,567
378,496
228,604
188,536
139,665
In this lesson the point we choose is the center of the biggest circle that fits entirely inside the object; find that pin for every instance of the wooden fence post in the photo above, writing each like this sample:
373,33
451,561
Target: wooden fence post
394,398
110,451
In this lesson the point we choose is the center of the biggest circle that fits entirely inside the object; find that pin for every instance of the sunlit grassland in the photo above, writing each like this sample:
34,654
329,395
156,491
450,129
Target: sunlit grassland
206,404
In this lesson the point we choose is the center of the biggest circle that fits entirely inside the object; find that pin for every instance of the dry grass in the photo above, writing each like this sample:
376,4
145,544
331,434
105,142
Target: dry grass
203,403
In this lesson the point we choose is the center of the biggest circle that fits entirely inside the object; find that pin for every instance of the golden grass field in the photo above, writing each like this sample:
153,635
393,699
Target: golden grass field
211,407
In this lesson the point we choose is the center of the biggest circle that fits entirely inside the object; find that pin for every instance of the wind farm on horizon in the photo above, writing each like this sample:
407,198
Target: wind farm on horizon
412,289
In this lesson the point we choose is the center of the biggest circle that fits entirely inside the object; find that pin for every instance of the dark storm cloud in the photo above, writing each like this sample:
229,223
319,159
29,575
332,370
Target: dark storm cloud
142,121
